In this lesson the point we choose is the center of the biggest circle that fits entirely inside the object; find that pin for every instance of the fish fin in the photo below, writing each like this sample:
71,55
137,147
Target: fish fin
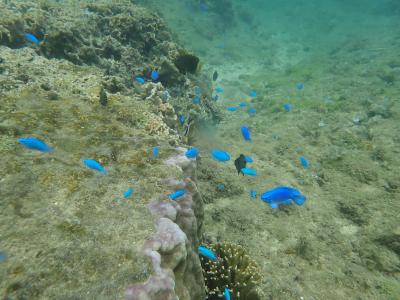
274,205
299,200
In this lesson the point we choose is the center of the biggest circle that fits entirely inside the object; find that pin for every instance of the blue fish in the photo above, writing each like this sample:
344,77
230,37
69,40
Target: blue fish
140,79
30,37
196,100
248,171
154,75
252,111
227,295
287,107
207,253
304,162
219,89
220,45
156,151
253,194
203,7
94,165
242,104
220,155
300,86
248,159
220,186
192,153
128,193
182,119
232,108
215,97
178,193
3,256
253,93
246,133
283,195
35,144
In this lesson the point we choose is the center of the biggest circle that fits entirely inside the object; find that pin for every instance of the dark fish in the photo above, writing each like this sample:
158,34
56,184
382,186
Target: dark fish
187,127
103,97
240,163
215,75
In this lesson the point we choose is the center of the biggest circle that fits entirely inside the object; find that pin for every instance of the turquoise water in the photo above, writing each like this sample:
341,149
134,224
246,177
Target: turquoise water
345,54
322,79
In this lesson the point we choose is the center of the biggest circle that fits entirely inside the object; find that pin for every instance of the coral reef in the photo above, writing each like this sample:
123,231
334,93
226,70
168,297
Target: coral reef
177,271
122,39
234,269
72,230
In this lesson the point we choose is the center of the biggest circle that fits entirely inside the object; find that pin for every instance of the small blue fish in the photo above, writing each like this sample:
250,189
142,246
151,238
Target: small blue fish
304,162
232,108
178,193
192,153
154,75
252,111
196,100
246,133
248,159
227,295
35,144
128,193
220,45
156,151
248,171
215,97
220,155
182,119
219,89
207,253
94,165
300,86
140,79
220,186
203,7
253,93
242,104
253,194
287,107
283,195
32,38
3,256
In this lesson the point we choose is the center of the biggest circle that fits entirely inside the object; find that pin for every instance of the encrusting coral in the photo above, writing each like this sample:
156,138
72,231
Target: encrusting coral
234,269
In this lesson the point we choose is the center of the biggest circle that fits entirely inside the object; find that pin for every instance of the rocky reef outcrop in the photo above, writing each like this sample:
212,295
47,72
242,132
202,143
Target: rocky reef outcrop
69,232
173,247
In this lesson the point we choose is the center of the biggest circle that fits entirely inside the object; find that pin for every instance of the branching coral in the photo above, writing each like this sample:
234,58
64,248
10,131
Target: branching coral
234,269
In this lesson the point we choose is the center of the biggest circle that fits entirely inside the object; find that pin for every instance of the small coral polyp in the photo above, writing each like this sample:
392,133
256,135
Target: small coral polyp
234,269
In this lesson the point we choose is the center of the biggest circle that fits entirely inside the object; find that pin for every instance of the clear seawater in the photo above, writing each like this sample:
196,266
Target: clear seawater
343,243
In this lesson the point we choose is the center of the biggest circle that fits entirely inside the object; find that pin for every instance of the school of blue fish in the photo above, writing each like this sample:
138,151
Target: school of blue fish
281,195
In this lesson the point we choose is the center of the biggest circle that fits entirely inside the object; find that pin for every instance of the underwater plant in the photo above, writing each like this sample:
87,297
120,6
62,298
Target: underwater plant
234,269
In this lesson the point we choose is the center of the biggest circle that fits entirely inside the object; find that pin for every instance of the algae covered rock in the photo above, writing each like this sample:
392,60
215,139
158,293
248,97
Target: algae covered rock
186,62
73,235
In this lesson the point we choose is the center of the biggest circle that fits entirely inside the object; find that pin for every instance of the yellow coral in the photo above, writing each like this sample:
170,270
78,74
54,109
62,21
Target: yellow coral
234,270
